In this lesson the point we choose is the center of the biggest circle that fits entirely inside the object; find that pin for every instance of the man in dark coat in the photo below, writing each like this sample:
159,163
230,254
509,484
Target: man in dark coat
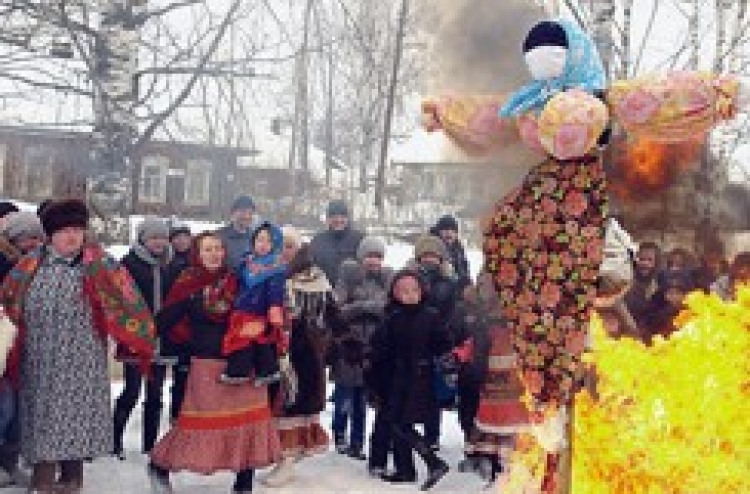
149,264
338,243
237,234
447,230
639,299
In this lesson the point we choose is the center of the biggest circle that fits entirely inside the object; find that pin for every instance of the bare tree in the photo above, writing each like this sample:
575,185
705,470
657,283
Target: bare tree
130,64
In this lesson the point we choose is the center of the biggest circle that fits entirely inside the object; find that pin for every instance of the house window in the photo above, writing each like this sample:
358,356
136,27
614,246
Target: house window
198,183
154,179
40,173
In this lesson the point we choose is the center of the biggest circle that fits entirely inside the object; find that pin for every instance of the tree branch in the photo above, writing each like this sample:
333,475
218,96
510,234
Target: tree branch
161,117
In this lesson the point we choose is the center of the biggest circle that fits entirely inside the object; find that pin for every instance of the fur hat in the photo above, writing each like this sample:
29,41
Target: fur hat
23,223
429,244
64,214
370,245
152,227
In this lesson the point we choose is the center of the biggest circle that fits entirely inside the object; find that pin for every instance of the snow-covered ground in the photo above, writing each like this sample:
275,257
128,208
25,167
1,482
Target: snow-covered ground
329,473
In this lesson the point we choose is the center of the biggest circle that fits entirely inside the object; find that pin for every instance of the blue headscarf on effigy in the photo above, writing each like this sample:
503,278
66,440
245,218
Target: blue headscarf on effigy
583,69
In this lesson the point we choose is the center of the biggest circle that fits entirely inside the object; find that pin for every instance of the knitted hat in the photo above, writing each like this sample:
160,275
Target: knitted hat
152,227
243,202
337,207
447,222
66,213
7,207
369,246
429,244
23,223
291,234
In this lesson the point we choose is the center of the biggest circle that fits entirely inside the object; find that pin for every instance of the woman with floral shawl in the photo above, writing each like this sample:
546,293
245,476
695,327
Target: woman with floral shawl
66,299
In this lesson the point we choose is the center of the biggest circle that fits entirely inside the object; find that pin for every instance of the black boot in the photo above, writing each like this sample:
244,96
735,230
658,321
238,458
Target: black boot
435,473
341,446
399,478
355,451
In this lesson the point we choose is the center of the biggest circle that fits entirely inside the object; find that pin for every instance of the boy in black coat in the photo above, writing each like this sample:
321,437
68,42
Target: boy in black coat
401,375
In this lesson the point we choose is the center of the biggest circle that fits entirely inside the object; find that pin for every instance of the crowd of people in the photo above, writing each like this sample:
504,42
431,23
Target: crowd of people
251,321
662,280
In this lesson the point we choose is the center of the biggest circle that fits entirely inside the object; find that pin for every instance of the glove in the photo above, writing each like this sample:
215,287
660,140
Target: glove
465,352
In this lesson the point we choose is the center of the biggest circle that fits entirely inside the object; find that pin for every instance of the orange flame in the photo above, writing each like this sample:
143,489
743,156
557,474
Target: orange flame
643,166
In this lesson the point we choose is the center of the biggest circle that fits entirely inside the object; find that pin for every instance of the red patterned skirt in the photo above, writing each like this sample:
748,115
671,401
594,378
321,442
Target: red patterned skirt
302,436
220,427
501,412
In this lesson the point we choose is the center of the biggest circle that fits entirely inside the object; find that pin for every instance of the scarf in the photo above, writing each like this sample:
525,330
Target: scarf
157,265
257,269
118,309
219,289
583,69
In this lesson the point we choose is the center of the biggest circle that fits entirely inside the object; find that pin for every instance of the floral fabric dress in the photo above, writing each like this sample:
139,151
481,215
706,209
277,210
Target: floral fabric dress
64,389
545,244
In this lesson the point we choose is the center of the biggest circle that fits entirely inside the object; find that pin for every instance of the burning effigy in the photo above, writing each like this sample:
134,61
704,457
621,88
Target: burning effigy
544,243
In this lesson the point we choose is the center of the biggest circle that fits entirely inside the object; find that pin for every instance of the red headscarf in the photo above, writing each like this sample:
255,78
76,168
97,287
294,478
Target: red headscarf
220,286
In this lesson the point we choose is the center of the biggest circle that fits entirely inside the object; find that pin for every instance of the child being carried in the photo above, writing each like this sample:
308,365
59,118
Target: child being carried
254,339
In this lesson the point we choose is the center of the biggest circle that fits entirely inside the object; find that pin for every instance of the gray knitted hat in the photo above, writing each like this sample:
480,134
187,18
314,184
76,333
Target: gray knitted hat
370,245
153,227
24,223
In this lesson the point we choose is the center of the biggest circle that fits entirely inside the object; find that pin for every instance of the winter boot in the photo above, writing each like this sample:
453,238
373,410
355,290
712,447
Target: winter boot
159,479
399,478
281,474
435,473
43,478
342,447
243,483
71,477
355,451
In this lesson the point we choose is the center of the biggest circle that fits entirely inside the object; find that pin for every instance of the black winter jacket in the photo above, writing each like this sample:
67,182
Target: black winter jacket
330,248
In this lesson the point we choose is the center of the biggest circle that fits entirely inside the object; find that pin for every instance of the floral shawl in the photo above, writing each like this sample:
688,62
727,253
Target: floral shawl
118,309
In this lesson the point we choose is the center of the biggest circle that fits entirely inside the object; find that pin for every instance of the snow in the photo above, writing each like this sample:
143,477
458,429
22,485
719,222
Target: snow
329,473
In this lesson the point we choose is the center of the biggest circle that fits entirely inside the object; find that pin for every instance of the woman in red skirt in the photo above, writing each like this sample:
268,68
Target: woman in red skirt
220,426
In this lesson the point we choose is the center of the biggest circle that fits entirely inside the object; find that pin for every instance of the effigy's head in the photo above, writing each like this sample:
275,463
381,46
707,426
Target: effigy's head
561,111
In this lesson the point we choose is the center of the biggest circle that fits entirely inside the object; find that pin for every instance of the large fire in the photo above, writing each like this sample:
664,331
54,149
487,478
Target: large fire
643,167
669,418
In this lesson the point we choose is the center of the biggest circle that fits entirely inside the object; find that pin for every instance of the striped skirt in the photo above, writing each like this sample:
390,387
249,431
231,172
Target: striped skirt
220,427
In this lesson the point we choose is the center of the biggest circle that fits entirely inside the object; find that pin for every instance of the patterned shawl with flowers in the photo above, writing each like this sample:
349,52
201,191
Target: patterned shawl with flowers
219,288
118,309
